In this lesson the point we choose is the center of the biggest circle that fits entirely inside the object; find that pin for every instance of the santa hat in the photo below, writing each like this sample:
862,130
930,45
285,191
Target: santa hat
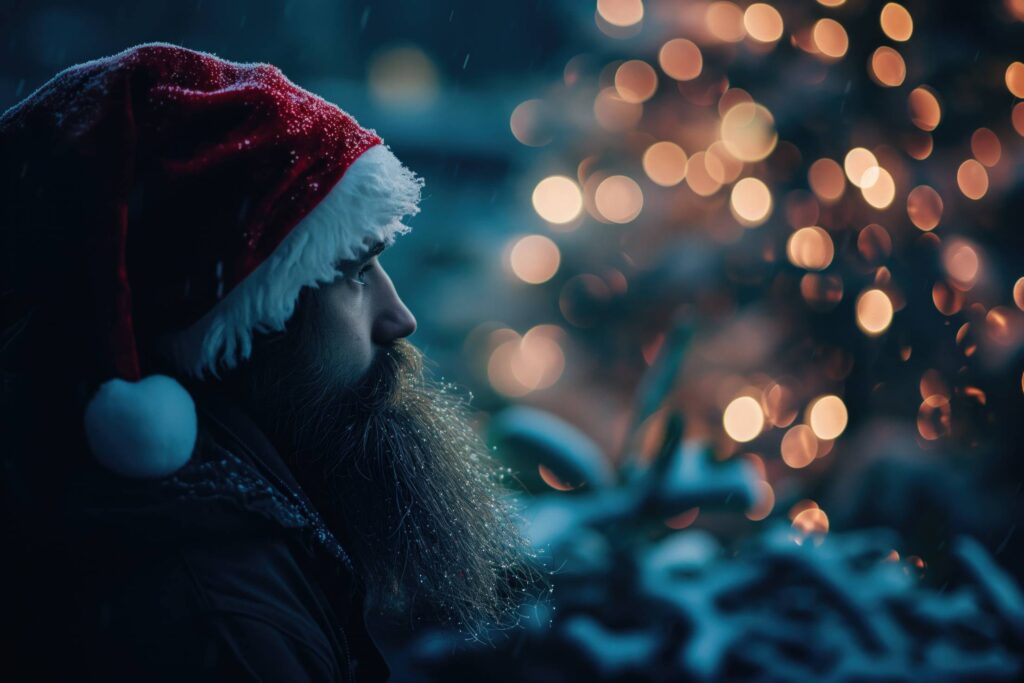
189,200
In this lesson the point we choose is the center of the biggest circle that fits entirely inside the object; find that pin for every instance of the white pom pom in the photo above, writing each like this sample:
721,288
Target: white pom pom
142,429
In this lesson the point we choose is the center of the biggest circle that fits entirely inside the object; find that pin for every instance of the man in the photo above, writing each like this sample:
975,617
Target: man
239,453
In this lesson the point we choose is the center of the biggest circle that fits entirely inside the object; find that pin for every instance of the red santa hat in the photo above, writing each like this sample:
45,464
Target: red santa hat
192,199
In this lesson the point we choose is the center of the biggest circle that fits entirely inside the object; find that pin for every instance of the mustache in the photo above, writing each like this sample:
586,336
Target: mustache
393,372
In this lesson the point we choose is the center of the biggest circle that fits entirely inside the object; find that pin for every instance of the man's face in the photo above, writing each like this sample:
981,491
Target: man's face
387,454
360,313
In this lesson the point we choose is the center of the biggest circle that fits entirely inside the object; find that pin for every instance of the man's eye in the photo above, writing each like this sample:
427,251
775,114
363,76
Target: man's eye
358,277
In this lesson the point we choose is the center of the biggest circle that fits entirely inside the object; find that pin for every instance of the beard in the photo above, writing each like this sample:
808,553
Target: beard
403,480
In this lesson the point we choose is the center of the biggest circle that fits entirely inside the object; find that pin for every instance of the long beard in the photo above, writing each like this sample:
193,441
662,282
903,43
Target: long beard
410,489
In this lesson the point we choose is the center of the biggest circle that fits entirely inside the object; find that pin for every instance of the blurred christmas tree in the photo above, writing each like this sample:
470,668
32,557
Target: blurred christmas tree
819,203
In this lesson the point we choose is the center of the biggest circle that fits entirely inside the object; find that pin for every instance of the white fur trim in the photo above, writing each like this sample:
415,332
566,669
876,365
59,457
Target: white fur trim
141,429
365,207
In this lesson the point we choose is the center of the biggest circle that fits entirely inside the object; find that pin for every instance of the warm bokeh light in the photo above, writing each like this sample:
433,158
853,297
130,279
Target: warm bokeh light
779,404
1017,118
933,417
721,164
621,12
534,259
925,111
1015,79
962,262
918,144
615,114
698,178
520,365
665,163
896,22
403,76
681,59
810,248
826,179
499,369
619,199
1018,293
827,416
861,167
751,201
830,38
799,446
948,300
725,21
972,178
882,191
874,244
635,81
526,123
874,312
557,199
924,207
888,67
748,131
985,147
812,521
552,480
540,360
764,502
763,22
743,419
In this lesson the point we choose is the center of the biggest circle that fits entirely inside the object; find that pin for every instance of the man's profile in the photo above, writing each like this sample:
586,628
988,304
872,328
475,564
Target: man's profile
223,445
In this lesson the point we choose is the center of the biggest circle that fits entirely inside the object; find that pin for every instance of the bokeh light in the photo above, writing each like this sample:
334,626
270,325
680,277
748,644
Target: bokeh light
527,123
896,22
743,419
985,147
888,67
810,248
635,81
534,259
403,76
1015,79
621,12
874,312
748,131
882,191
665,163
557,199
830,38
615,114
725,21
763,22
681,59
861,167
826,179
925,111
827,416
751,201
811,522
962,263
799,446
924,207
972,178
619,199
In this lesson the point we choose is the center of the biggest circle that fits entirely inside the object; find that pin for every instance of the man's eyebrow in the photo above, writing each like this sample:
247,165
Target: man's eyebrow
374,250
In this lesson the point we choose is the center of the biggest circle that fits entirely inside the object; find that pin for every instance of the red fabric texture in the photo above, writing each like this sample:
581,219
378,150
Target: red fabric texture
141,188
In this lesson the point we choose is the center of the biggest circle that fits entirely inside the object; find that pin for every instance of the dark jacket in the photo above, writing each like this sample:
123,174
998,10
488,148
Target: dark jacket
221,572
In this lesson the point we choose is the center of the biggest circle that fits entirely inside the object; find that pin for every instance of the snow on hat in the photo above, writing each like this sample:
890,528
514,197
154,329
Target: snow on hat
191,199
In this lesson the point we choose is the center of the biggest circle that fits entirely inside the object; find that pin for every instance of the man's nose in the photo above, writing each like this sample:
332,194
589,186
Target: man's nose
395,321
